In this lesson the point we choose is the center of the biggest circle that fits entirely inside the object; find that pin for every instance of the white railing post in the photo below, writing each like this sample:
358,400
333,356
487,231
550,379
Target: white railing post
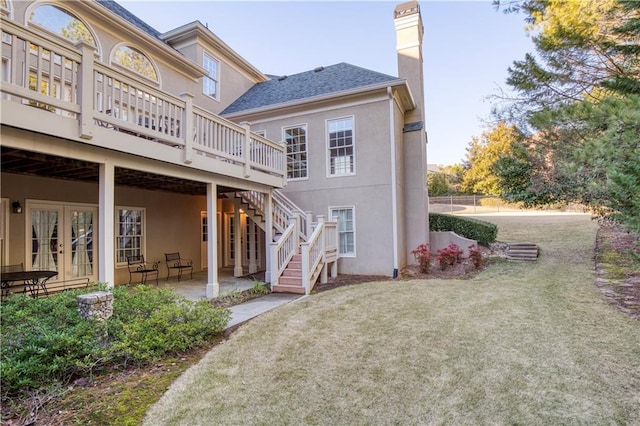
85,89
246,148
323,246
305,268
308,229
268,235
189,128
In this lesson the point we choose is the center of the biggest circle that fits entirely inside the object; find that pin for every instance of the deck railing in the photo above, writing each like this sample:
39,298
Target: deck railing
282,251
319,251
68,81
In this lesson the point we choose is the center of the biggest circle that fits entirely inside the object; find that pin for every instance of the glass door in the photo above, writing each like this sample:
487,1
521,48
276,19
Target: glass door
61,238
46,249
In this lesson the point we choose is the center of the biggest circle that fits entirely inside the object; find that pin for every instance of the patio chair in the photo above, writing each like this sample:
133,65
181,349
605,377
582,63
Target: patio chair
137,265
177,263
19,267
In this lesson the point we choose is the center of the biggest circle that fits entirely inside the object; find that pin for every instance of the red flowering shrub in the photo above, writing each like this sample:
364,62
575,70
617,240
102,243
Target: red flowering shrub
475,255
449,256
423,257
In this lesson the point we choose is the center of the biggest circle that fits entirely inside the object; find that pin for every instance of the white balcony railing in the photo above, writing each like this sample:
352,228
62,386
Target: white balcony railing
68,81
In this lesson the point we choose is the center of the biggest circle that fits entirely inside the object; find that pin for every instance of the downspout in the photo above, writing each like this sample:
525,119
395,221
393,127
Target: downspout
394,192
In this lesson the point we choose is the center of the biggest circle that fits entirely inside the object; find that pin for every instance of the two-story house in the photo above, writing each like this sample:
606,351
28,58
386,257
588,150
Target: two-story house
120,141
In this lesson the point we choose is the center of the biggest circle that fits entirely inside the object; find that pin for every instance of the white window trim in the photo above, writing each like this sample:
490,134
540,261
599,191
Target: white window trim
284,140
262,133
353,208
218,85
143,245
328,150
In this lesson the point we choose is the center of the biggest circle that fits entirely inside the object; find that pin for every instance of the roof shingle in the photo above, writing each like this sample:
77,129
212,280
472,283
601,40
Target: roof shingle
321,81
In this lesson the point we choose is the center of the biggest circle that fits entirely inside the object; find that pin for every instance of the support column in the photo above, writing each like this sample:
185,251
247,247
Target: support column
213,287
106,232
253,247
268,234
237,241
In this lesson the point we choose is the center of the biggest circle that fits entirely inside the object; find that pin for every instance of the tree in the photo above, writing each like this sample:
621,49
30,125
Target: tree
438,184
579,97
484,153
579,56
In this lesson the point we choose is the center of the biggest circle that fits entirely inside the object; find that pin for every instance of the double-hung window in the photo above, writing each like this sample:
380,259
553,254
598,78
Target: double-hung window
346,229
341,146
296,139
130,233
210,81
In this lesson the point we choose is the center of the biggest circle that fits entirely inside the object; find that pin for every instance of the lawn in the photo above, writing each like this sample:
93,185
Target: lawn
520,343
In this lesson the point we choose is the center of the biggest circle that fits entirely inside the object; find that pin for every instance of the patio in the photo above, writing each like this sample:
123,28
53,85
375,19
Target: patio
195,289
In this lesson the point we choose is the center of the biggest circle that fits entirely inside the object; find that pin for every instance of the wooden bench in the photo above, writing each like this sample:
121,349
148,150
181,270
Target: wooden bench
176,263
137,265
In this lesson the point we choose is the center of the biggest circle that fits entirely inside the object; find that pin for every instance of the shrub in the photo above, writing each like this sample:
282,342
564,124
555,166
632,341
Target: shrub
479,230
423,257
475,255
45,340
449,256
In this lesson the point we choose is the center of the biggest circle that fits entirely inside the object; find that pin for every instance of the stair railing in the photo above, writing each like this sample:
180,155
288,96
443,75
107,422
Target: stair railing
286,204
312,256
283,250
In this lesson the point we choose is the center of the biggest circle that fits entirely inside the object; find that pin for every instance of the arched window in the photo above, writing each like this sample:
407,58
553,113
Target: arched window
5,7
61,22
134,60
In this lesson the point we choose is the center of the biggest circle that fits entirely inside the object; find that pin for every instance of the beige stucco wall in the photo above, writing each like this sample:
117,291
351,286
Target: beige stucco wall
168,229
368,191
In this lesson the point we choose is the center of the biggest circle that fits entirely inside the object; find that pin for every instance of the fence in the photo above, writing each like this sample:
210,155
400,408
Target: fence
471,204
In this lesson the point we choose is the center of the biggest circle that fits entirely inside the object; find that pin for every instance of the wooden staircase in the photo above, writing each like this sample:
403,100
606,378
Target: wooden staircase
291,279
301,252
522,251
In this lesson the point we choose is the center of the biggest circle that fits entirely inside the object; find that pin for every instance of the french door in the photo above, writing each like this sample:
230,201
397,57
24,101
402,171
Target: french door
61,237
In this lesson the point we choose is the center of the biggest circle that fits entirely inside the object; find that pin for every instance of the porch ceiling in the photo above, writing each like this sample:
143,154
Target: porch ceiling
43,165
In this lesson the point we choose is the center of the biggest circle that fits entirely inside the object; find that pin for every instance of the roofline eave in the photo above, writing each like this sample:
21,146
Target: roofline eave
408,100
193,70
198,29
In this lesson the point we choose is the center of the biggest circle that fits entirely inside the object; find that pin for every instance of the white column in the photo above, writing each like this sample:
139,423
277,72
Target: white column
106,232
253,252
237,240
189,128
213,287
86,90
268,234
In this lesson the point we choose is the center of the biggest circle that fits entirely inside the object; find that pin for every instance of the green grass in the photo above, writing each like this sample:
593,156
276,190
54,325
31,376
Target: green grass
521,343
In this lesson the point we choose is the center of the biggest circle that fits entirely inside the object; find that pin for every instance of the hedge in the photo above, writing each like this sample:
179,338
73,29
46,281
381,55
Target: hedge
474,229
45,341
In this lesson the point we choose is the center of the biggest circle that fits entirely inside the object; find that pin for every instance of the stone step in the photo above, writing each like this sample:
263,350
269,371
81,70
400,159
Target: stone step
522,251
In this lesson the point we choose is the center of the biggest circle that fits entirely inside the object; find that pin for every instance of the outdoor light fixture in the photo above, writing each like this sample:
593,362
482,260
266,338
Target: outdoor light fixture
17,207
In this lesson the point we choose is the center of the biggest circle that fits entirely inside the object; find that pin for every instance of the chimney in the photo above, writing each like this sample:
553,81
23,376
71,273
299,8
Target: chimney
409,31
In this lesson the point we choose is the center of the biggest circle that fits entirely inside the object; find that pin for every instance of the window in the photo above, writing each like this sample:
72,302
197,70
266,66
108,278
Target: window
262,133
210,82
62,23
130,233
346,229
340,133
134,60
296,140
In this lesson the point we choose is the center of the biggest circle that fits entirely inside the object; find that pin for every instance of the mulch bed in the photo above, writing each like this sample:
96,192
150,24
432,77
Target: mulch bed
462,270
617,268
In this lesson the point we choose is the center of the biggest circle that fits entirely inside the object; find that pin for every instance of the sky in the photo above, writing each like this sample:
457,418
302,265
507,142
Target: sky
467,48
